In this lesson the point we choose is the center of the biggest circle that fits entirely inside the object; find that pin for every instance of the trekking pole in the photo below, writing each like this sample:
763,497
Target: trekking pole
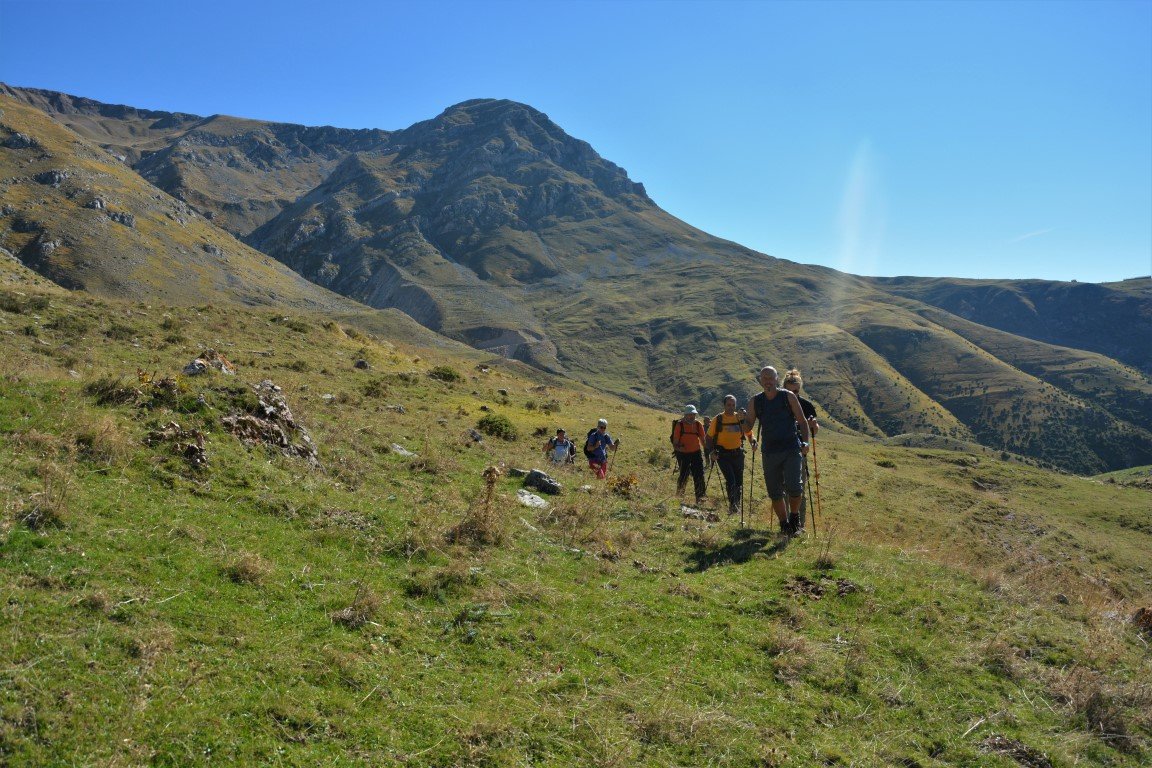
811,505
708,480
816,475
752,489
742,500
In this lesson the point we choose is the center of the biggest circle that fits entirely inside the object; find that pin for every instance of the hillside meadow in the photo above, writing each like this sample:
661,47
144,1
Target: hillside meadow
174,595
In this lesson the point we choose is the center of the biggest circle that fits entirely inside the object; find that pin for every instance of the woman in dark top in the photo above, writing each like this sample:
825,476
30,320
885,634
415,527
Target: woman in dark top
793,381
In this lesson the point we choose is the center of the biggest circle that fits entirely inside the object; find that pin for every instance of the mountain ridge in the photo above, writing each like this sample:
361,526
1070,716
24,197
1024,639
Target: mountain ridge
490,224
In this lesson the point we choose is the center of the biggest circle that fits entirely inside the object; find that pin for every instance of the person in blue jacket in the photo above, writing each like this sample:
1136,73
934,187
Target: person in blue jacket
596,448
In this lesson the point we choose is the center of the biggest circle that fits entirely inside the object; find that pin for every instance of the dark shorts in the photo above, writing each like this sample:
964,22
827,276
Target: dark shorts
783,473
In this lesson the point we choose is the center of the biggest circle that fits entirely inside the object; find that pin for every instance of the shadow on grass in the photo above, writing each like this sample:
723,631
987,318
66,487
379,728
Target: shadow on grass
746,542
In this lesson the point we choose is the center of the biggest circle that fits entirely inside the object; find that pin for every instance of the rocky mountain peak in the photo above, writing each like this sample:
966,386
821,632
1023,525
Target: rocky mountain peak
505,138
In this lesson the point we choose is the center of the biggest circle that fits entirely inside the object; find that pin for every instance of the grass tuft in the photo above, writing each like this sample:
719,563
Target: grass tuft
365,607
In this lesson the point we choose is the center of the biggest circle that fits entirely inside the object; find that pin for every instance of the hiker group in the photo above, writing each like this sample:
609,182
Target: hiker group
787,425
561,450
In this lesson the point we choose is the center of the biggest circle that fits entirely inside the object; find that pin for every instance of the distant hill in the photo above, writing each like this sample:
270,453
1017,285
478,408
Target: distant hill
493,226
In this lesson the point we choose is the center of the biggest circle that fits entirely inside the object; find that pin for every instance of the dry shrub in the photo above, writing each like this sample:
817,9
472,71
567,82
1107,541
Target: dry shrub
365,608
680,589
790,652
152,644
48,508
440,583
673,722
248,568
628,539
97,601
483,525
624,485
40,443
431,460
576,522
114,390
1002,659
420,538
103,442
1100,707
825,559
708,539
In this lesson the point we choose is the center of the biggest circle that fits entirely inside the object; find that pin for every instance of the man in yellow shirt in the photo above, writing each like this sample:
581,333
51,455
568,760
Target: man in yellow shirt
727,434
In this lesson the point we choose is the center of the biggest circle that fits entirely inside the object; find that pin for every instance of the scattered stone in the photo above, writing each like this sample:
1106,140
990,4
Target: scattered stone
327,397
126,219
20,141
395,408
484,408
585,489
482,368
846,587
1062,599
74,374
542,482
209,359
188,443
699,514
97,204
502,392
52,178
272,424
517,472
213,250
530,500
640,566
46,248
361,365
401,450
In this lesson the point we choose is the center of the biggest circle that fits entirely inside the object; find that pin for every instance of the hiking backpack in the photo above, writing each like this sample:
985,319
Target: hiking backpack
588,453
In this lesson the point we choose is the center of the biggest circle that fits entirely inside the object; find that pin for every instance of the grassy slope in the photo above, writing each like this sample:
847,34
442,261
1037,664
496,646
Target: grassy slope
191,611
168,253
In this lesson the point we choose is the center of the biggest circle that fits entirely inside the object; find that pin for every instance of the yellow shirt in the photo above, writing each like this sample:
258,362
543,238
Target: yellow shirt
728,431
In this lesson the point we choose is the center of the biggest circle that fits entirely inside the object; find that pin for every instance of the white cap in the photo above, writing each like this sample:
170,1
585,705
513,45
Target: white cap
602,423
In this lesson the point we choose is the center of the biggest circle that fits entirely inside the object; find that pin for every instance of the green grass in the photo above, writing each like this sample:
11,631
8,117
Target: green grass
260,610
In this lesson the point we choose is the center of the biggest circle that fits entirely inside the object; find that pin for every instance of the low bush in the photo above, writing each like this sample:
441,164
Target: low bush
496,425
445,373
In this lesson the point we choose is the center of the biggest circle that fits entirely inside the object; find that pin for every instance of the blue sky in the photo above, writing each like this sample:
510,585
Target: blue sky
964,139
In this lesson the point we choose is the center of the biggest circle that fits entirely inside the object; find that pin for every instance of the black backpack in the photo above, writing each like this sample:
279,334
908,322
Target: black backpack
591,432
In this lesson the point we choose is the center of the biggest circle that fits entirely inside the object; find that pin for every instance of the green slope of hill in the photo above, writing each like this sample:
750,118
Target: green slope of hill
236,604
1114,319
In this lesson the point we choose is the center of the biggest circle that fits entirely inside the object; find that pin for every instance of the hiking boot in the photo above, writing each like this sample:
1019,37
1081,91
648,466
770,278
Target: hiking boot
784,529
793,524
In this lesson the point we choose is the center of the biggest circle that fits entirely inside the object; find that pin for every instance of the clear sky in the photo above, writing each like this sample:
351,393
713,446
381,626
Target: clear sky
964,139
